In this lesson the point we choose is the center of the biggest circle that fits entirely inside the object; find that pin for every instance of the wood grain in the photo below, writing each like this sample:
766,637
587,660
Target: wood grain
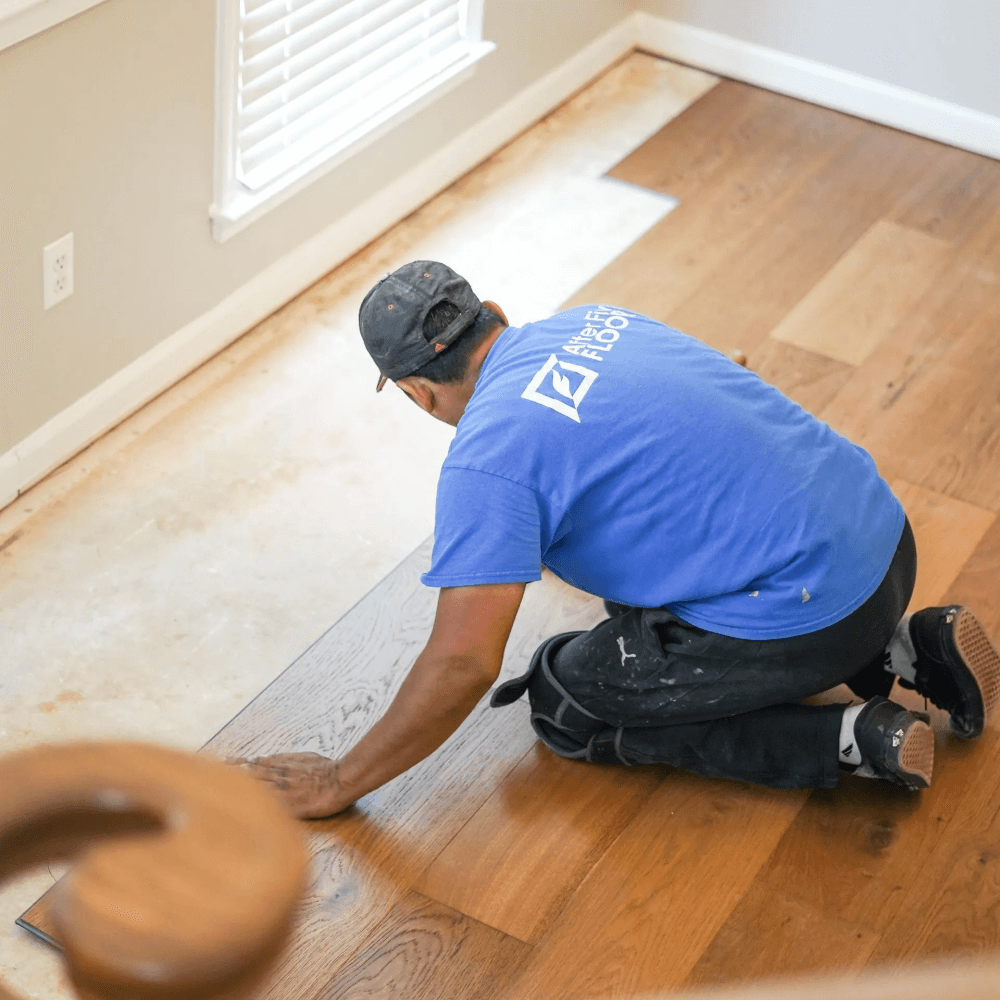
650,906
926,403
782,143
422,949
954,904
865,294
812,380
952,196
754,285
947,533
519,859
976,585
365,860
769,934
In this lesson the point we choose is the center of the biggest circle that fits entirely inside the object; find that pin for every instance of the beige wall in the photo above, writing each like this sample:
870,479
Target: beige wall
106,131
944,48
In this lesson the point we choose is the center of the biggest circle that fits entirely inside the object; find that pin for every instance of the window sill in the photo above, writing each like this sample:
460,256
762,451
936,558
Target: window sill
20,19
239,207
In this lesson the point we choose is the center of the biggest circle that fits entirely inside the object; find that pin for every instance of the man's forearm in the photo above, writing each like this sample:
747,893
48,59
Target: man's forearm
435,698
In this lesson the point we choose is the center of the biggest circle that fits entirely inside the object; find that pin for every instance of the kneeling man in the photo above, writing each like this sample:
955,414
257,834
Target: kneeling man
747,554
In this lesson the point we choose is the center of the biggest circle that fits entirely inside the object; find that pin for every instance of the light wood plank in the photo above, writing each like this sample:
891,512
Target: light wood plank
865,294
954,906
517,861
711,139
365,859
651,905
812,380
951,197
947,533
783,144
424,949
925,403
749,291
769,934
977,585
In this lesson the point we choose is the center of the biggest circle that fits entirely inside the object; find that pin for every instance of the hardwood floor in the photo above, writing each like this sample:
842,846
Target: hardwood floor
859,268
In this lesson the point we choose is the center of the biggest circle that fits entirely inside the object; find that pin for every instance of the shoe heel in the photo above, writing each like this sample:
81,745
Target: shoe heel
981,657
916,756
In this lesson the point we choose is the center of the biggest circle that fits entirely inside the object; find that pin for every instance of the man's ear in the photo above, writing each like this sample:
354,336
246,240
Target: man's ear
420,390
498,311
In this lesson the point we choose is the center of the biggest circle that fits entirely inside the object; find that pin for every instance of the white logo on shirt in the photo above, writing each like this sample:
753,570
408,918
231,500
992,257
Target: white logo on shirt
550,383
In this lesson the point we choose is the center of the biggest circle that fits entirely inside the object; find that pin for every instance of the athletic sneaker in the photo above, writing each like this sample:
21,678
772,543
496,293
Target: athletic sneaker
894,744
958,667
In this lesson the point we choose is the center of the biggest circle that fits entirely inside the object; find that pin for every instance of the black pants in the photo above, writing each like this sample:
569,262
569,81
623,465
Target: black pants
646,687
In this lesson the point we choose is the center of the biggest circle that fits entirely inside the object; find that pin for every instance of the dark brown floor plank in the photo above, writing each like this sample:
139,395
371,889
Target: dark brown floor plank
769,934
422,949
515,864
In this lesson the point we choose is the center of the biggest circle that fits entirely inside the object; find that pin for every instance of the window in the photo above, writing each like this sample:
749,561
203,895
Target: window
303,84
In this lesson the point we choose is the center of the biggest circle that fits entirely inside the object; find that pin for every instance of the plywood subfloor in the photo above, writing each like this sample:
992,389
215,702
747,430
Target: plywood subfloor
860,269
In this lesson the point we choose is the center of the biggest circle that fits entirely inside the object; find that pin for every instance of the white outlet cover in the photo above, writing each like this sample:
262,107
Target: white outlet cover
57,270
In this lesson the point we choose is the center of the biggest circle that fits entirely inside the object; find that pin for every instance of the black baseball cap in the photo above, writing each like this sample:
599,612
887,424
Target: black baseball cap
393,312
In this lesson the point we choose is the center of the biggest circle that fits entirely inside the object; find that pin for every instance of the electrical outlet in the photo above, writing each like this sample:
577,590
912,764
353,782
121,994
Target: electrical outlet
57,270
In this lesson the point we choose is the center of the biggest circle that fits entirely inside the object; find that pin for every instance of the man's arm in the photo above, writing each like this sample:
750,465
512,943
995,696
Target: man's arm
457,667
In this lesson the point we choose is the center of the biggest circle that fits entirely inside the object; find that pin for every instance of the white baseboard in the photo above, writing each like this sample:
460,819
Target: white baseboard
821,84
104,407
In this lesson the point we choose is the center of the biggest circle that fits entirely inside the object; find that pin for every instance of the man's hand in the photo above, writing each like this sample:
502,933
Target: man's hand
461,660
308,783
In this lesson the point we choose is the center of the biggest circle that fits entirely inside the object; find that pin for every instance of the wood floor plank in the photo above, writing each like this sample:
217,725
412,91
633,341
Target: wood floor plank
712,137
422,949
366,859
769,934
926,403
812,380
755,285
947,533
862,298
978,584
786,143
517,861
954,904
650,906
951,196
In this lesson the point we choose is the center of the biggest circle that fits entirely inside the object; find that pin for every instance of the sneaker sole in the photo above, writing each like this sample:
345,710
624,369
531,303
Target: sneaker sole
980,657
916,756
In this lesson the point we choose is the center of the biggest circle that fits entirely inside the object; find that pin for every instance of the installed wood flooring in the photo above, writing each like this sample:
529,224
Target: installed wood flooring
859,268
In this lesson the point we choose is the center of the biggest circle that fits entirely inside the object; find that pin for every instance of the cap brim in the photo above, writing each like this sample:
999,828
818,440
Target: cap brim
381,382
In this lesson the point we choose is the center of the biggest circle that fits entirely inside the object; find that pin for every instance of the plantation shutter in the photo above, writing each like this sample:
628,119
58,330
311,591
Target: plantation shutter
316,74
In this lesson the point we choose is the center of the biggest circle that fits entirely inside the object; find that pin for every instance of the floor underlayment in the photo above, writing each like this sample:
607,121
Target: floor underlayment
157,582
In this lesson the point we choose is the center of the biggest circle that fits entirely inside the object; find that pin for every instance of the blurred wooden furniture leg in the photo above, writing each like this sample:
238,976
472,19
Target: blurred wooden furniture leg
186,872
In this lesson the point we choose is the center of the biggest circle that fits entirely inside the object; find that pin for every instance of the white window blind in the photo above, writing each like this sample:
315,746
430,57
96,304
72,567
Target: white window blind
314,75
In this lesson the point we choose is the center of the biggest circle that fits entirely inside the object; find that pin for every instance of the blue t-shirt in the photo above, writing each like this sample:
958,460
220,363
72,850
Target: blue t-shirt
643,466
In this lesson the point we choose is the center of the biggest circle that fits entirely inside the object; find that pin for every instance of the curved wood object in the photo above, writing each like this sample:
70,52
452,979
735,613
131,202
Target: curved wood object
192,885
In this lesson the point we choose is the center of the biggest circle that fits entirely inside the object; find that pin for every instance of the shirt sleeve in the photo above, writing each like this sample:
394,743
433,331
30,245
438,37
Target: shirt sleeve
487,530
